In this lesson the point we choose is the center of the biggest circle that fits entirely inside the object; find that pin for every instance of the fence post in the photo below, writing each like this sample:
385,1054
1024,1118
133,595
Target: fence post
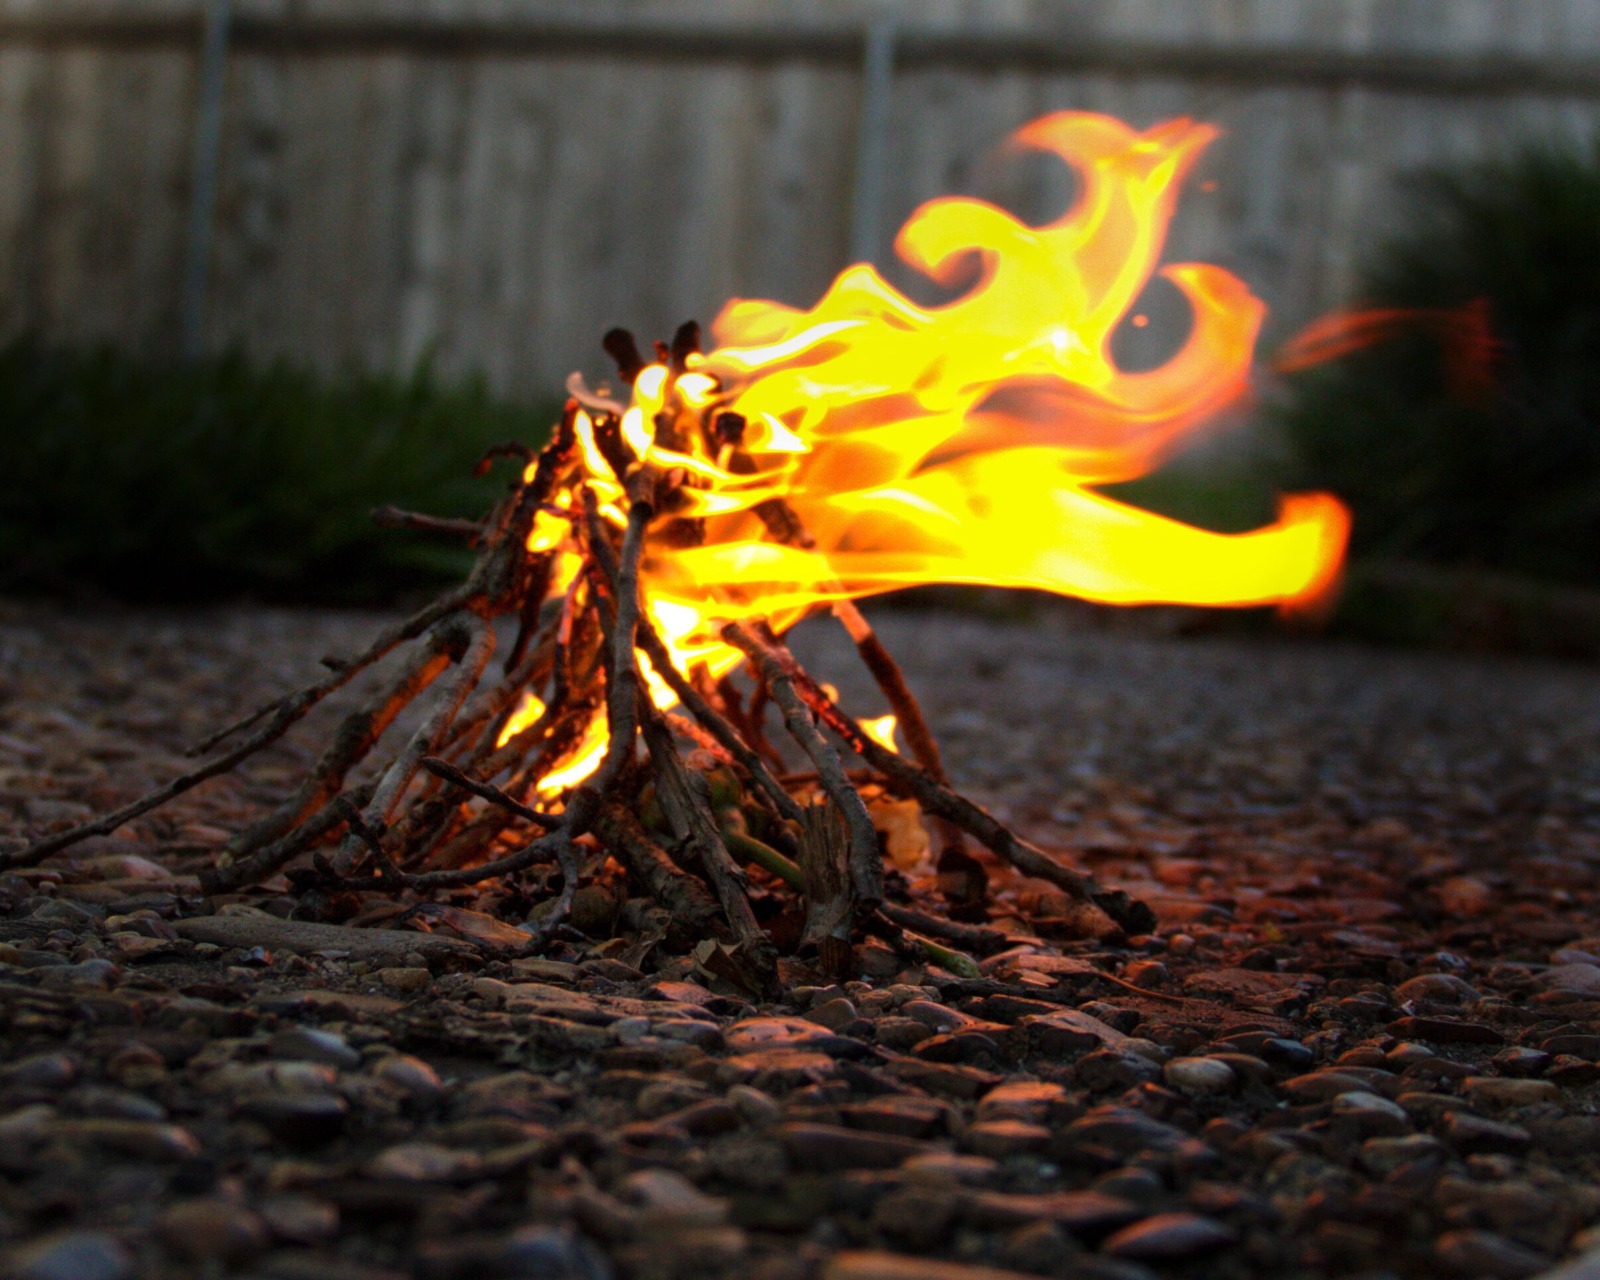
872,139
203,188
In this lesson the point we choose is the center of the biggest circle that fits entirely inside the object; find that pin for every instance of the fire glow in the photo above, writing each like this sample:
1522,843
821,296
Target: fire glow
871,444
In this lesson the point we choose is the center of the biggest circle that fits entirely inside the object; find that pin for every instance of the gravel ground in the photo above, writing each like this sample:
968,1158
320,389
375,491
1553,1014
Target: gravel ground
1364,1041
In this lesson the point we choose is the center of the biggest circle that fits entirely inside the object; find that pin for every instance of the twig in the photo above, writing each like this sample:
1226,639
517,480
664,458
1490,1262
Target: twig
470,641
686,801
488,791
391,517
866,863
1129,913
715,724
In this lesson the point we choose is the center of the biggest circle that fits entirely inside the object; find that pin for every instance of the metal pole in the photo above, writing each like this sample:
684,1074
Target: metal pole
872,140
203,191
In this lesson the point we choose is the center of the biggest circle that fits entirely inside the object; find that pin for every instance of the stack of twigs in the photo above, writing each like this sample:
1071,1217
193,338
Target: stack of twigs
683,799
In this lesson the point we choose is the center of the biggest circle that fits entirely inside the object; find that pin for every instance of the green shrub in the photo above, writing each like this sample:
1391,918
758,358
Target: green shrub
1469,455
186,482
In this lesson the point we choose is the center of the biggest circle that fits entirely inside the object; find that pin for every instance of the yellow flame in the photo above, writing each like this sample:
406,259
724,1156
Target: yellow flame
881,730
961,442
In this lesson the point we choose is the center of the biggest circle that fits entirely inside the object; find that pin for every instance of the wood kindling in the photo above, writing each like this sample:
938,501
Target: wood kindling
688,799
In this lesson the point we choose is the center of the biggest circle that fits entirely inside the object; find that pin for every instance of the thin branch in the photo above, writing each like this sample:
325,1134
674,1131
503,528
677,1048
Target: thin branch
866,863
488,791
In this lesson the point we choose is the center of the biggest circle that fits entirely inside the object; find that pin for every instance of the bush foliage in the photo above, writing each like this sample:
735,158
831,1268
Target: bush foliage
221,478
1485,456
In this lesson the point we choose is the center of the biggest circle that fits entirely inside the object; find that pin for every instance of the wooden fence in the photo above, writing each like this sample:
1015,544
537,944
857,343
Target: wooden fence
496,184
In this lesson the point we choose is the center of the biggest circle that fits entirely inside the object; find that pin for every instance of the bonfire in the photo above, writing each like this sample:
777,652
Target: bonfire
597,692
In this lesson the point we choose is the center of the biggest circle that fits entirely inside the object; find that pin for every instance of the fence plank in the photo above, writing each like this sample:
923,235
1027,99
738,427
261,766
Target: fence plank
498,185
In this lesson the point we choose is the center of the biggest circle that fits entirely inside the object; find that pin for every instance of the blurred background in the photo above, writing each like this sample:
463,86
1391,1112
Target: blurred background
267,263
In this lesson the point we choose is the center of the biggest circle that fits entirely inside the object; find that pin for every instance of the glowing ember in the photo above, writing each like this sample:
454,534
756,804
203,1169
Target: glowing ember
870,444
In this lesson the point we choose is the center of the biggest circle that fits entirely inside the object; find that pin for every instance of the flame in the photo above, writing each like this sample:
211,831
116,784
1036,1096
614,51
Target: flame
881,730
960,442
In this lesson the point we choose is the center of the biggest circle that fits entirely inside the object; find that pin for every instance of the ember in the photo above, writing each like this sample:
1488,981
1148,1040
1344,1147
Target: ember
665,540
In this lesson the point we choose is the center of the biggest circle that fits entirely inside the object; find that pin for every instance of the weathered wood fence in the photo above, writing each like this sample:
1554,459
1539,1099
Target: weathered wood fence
496,184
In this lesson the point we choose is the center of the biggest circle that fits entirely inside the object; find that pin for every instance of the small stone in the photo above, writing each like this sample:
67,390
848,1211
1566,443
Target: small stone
823,1148
140,1140
1369,1114
42,1071
308,1044
545,1253
667,1201
1384,1155
900,1034
1471,1134
1490,1091
425,1162
1521,1061
1445,1031
833,1014
1323,1086
1068,1033
1080,1212
304,1120
71,1255
1029,1100
948,1168
1170,1237
754,1107
1199,1075
411,1075
1482,1255
300,1219
1436,988
864,1264
1108,1070
405,978
916,1216
1573,979
211,1231
998,1139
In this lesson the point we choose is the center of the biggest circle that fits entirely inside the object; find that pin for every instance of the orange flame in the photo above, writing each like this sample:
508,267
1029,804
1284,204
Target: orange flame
961,443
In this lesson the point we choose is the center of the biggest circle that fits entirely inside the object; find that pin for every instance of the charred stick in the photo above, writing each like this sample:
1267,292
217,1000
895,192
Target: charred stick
622,685
269,860
908,943
285,713
967,936
718,727
296,704
554,845
689,901
825,870
487,791
471,641
372,838
391,517
357,734
940,801
866,863
686,801
892,682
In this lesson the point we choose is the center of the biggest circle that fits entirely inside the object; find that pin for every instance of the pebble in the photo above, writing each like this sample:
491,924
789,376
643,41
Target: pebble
999,1139
72,1255
834,1014
212,1231
1199,1075
1482,1255
1384,1155
304,1120
1474,1134
854,1264
412,1075
405,978
425,1162
825,1148
1370,1115
1170,1237
1489,1091
309,1044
